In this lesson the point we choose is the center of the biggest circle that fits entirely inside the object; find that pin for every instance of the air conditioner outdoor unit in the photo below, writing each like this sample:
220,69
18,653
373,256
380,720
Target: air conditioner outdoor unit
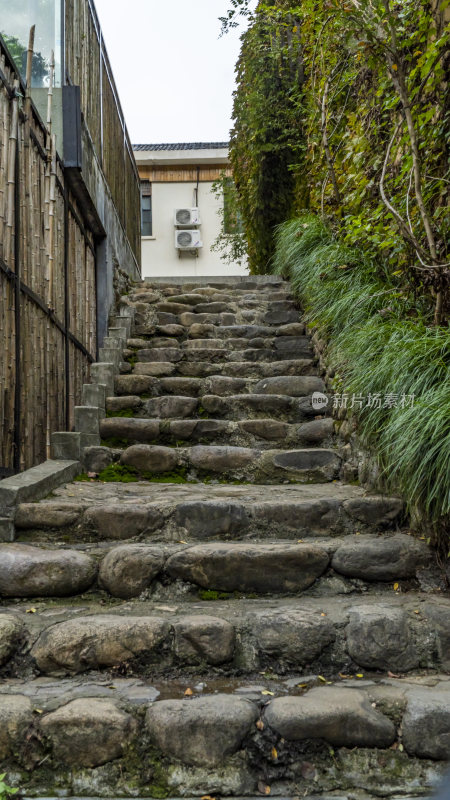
187,216
188,240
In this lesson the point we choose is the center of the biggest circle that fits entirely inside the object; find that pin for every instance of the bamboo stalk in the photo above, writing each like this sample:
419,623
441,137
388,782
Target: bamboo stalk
51,222
48,169
27,216
12,148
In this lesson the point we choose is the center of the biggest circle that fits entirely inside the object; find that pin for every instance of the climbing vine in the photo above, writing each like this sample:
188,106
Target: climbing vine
231,243
265,144
357,132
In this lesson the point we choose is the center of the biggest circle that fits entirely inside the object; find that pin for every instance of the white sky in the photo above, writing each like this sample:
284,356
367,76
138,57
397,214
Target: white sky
174,75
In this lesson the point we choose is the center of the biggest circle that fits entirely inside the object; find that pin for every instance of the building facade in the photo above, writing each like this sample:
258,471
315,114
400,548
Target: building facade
181,177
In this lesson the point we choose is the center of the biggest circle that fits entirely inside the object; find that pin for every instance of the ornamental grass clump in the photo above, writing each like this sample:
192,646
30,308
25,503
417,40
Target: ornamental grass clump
380,342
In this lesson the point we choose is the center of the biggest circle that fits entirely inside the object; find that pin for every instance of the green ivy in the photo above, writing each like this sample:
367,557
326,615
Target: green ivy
321,110
266,142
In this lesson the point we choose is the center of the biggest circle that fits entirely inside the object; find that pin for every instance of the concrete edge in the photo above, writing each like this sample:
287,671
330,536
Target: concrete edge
35,483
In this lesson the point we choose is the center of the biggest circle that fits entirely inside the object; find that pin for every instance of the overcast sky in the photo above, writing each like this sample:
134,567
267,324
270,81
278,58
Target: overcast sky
175,76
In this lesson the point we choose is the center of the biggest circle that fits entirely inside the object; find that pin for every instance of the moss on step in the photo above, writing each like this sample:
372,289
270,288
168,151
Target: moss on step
113,473
213,594
114,441
175,476
124,412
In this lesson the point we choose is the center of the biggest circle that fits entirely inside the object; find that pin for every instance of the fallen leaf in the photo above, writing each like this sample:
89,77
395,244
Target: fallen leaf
207,797
266,691
263,788
30,611
393,674
302,685
181,541
260,725
323,614
360,675
38,710
299,541
416,611
188,693
341,675
274,753
396,587
400,747
321,678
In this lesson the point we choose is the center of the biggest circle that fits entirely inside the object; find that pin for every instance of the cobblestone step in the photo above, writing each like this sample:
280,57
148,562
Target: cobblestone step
220,385
129,569
165,511
242,464
202,369
231,635
217,615
259,433
237,739
232,407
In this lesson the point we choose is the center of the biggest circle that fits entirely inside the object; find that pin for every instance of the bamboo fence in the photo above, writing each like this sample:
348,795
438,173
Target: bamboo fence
47,283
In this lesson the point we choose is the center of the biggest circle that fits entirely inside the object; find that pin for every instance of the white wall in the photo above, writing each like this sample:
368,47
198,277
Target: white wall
159,255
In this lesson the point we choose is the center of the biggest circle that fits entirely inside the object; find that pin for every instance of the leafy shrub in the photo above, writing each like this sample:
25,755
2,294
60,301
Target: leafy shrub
5,790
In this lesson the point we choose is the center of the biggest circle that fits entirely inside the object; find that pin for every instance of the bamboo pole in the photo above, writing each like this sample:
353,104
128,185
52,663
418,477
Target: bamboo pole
51,221
12,148
47,179
28,215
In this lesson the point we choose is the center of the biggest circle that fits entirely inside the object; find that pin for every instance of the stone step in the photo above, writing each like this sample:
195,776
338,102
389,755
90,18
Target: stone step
223,303
196,296
203,369
261,283
262,316
89,510
260,433
172,333
202,462
246,567
241,740
245,332
219,385
219,355
139,348
210,628
232,407
289,343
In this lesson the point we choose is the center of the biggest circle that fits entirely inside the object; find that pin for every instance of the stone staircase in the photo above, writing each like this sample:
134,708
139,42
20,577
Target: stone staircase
219,614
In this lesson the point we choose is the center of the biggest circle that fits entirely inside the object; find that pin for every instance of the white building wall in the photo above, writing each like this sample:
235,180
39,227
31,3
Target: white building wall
159,255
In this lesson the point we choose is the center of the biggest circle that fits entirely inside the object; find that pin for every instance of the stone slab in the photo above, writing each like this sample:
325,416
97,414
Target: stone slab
37,482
